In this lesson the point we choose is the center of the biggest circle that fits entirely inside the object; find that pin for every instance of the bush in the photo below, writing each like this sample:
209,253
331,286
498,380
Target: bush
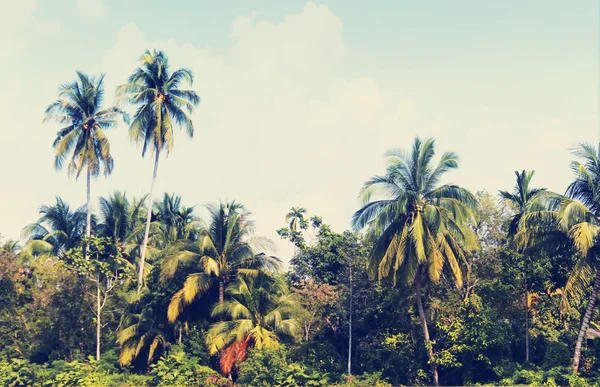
177,369
16,372
272,367
557,376
365,380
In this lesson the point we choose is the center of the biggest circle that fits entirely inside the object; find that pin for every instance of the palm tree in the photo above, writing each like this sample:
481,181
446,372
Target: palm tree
177,222
258,314
141,334
83,140
296,219
578,216
10,246
420,228
57,230
119,217
519,200
156,91
224,249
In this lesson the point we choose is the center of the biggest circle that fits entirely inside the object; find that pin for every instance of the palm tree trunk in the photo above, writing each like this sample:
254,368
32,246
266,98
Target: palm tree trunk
526,309
526,324
586,322
88,224
148,217
350,326
98,321
425,330
221,291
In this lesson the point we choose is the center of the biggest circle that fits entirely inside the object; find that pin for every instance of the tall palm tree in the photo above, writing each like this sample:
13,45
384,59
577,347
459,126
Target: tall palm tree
83,140
519,200
577,215
57,230
224,249
420,228
156,91
258,314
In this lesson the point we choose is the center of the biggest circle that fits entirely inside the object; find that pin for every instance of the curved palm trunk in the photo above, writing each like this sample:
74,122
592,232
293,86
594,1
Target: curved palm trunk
147,232
425,330
586,323
88,223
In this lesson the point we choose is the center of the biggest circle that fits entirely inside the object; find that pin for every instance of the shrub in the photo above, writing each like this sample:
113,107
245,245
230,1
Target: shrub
272,367
557,376
178,369
16,372
365,380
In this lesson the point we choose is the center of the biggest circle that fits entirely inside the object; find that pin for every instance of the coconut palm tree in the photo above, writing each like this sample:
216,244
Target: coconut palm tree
519,200
576,215
258,313
82,141
161,103
141,334
10,246
419,227
57,230
119,216
177,222
224,249
296,219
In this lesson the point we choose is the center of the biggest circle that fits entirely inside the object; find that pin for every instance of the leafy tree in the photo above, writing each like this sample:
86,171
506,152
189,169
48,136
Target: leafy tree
314,298
420,227
258,314
224,249
105,270
161,103
83,140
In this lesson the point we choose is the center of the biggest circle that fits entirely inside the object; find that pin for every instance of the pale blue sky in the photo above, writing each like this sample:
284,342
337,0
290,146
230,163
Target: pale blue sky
300,100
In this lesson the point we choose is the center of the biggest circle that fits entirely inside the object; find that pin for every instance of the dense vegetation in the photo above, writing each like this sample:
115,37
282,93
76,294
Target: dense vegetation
433,285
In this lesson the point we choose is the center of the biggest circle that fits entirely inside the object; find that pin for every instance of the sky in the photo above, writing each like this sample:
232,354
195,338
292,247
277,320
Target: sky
300,100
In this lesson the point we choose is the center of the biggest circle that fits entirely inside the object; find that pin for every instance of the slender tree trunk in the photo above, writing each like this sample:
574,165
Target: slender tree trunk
586,322
147,232
98,321
526,310
350,326
221,291
425,329
526,324
88,223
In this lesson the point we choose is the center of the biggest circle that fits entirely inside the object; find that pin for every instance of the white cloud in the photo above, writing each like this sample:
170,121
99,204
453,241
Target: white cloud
16,17
49,28
95,8
273,113
279,126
